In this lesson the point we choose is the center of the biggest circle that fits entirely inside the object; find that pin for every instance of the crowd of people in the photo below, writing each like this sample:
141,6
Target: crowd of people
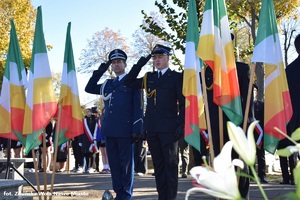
121,133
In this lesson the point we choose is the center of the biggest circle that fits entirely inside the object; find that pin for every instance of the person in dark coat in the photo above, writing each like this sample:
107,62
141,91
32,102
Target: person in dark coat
259,136
164,117
292,74
87,140
122,121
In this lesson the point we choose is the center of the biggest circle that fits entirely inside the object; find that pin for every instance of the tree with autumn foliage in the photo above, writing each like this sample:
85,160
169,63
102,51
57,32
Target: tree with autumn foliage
98,48
241,13
23,14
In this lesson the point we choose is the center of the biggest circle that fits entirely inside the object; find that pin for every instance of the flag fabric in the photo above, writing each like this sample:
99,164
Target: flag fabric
41,103
12,100
278,107
194,106
216,50
69,112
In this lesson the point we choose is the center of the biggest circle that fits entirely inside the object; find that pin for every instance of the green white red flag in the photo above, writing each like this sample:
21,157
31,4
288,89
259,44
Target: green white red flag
278,107
69,113
41,103
194,106
12,100
216,50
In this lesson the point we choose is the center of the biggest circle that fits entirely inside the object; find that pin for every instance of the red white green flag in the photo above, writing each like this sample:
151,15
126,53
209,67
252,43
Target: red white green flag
216,50
278,107
41,103
194,107
12,100
69,113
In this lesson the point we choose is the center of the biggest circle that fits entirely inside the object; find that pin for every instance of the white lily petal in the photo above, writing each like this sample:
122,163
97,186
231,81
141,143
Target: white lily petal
238,163
223,160
251,143
222,182
241,144
212,193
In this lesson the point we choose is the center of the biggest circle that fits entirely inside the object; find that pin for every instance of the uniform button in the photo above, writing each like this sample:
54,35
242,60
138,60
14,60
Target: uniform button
110,111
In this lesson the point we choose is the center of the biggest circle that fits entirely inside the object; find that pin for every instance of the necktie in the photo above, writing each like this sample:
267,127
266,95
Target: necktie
116,79
159,74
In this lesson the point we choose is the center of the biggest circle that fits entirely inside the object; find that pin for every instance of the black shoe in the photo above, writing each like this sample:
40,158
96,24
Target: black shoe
153,174
292,182
285,182
184,175
263,180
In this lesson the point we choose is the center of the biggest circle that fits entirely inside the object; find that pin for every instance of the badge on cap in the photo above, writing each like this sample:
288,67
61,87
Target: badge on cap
160,49
117,54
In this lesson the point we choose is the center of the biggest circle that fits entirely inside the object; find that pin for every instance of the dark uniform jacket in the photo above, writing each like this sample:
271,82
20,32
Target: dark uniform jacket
123,115
165,102
292,75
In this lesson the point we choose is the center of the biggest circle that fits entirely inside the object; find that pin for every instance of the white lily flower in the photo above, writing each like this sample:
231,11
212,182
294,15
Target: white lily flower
222,182
244,146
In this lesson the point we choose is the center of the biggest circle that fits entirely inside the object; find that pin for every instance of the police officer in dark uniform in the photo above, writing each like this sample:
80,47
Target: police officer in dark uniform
122,121
164,117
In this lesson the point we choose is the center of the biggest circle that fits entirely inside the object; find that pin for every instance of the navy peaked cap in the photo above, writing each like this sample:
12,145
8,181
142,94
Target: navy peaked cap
117,54
160,49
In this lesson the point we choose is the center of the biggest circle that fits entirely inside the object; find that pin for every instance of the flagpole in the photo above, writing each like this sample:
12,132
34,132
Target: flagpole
55,148
36,173
221,126
211,146
44,163
249,95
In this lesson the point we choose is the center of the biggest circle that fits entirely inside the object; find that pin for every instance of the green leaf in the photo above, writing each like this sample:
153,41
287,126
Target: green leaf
296,134
284,152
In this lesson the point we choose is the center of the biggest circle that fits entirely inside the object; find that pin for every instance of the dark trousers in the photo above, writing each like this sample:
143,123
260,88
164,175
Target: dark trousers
198,161
140,157
77,154
285,163
261,162
184,155
164,152
88,156
120,157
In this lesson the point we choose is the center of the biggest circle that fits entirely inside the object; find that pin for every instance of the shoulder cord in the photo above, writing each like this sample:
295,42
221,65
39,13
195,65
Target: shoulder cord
102,92
149,94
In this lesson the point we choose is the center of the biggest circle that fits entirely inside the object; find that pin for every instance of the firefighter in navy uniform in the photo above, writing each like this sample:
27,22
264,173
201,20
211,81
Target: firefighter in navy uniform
164,117
122,121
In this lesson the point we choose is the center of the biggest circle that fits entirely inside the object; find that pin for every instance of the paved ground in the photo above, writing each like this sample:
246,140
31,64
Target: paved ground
76,186
92,186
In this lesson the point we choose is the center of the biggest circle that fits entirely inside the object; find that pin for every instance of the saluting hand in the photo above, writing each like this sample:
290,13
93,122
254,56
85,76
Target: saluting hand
103,67
143,61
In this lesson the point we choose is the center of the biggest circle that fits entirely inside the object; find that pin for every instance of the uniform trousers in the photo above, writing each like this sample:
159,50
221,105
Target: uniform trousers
120,157
164,153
